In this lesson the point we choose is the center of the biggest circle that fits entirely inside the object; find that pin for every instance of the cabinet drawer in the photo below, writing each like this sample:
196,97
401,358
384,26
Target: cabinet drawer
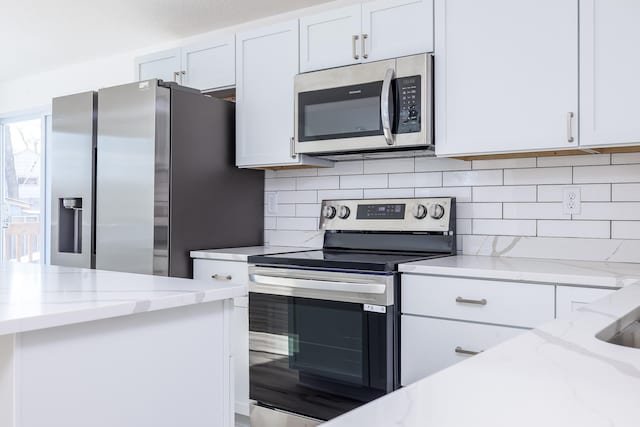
429,345
505,303
569,299
222,271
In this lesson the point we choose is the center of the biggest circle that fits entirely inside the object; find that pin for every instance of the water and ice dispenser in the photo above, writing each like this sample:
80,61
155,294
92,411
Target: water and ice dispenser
70,225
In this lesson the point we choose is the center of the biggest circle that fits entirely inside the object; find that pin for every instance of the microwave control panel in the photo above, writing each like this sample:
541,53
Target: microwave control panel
409,111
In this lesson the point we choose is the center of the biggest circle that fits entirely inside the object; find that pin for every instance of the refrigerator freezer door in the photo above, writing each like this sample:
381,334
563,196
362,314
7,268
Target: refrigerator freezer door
132,180
72,180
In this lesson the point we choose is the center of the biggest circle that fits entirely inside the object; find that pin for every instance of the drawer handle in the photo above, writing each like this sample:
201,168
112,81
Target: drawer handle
222,277
471,301
461,350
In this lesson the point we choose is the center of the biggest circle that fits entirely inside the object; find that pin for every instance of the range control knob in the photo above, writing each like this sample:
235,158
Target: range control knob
329,212
436,211
344,212
419,211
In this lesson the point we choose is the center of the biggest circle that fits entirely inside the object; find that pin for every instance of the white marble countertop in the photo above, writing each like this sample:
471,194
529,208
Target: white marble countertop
242,253
558,375
579,273
38,296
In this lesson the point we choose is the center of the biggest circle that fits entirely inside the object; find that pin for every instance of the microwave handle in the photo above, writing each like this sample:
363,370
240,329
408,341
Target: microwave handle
384,105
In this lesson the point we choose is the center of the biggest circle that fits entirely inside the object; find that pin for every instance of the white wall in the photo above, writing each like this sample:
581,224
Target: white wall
508,207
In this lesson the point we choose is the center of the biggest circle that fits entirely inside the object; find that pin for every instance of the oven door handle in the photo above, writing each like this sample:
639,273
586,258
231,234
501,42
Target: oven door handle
322,285
384,105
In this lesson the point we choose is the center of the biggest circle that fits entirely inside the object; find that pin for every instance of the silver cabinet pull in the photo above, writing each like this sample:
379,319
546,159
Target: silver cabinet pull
461,350
354,47
364,46
176,74
384,105
570,126
292,147
182,74
222,277
471,301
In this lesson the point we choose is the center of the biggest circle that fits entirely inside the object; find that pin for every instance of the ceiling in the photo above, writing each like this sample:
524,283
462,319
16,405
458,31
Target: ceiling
37,35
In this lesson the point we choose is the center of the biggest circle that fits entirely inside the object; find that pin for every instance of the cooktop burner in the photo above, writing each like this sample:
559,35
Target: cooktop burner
342,259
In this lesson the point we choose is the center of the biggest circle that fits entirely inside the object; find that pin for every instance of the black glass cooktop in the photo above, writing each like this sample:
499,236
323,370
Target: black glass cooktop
342,259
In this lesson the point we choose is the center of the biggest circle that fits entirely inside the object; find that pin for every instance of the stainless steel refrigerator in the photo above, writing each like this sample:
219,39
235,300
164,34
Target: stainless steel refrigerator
145,172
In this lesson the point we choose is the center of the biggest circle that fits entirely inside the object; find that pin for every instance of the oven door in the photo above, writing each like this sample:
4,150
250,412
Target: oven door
319,357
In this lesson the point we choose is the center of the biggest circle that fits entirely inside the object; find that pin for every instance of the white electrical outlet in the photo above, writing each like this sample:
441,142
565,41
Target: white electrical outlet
571,201
272,203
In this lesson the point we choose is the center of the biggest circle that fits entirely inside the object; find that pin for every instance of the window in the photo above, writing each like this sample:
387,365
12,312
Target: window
22,205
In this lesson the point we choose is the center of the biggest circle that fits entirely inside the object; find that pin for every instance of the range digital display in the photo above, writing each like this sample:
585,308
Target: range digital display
382,211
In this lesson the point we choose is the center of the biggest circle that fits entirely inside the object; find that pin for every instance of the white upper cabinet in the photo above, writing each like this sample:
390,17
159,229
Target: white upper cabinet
609,72
164,65
330,39
392,28
506,76
210,63
365,32
203,65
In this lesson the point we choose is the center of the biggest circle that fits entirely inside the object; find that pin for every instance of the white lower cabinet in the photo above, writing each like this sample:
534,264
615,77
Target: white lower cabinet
430,345
571,298
236,271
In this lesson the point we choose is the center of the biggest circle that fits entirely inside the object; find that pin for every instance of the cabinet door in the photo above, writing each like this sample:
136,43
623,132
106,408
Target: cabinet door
329,40
609,70
506,74
429,345
211,63
163,65
570,299
267,61
393,28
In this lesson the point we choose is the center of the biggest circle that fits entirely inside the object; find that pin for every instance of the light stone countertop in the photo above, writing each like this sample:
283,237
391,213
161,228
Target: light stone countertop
579,273
40,296
558,375
242,253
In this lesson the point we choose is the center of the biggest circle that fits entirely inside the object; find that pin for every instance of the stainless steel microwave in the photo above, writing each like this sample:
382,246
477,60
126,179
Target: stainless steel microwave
383,105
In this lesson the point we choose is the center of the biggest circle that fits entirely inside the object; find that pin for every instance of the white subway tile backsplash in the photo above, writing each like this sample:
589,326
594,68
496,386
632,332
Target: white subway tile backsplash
625,229
364,181
339,194
505,194
612,174
625,158
432,164
296,223
389,165
464,178
463,226
506,207
462,194
585,229
625,192
308,210
610,211
388,193
479,210
580,160
278,184
421,179
537,176
533,211
526,162
308,196
318,183
588,192
355,167
504,227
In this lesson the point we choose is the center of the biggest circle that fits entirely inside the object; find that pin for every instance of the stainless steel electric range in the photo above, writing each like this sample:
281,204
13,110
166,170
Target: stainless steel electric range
324,324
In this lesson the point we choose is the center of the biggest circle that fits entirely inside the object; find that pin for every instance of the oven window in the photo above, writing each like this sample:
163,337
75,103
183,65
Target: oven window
342,117
343,112
313,357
